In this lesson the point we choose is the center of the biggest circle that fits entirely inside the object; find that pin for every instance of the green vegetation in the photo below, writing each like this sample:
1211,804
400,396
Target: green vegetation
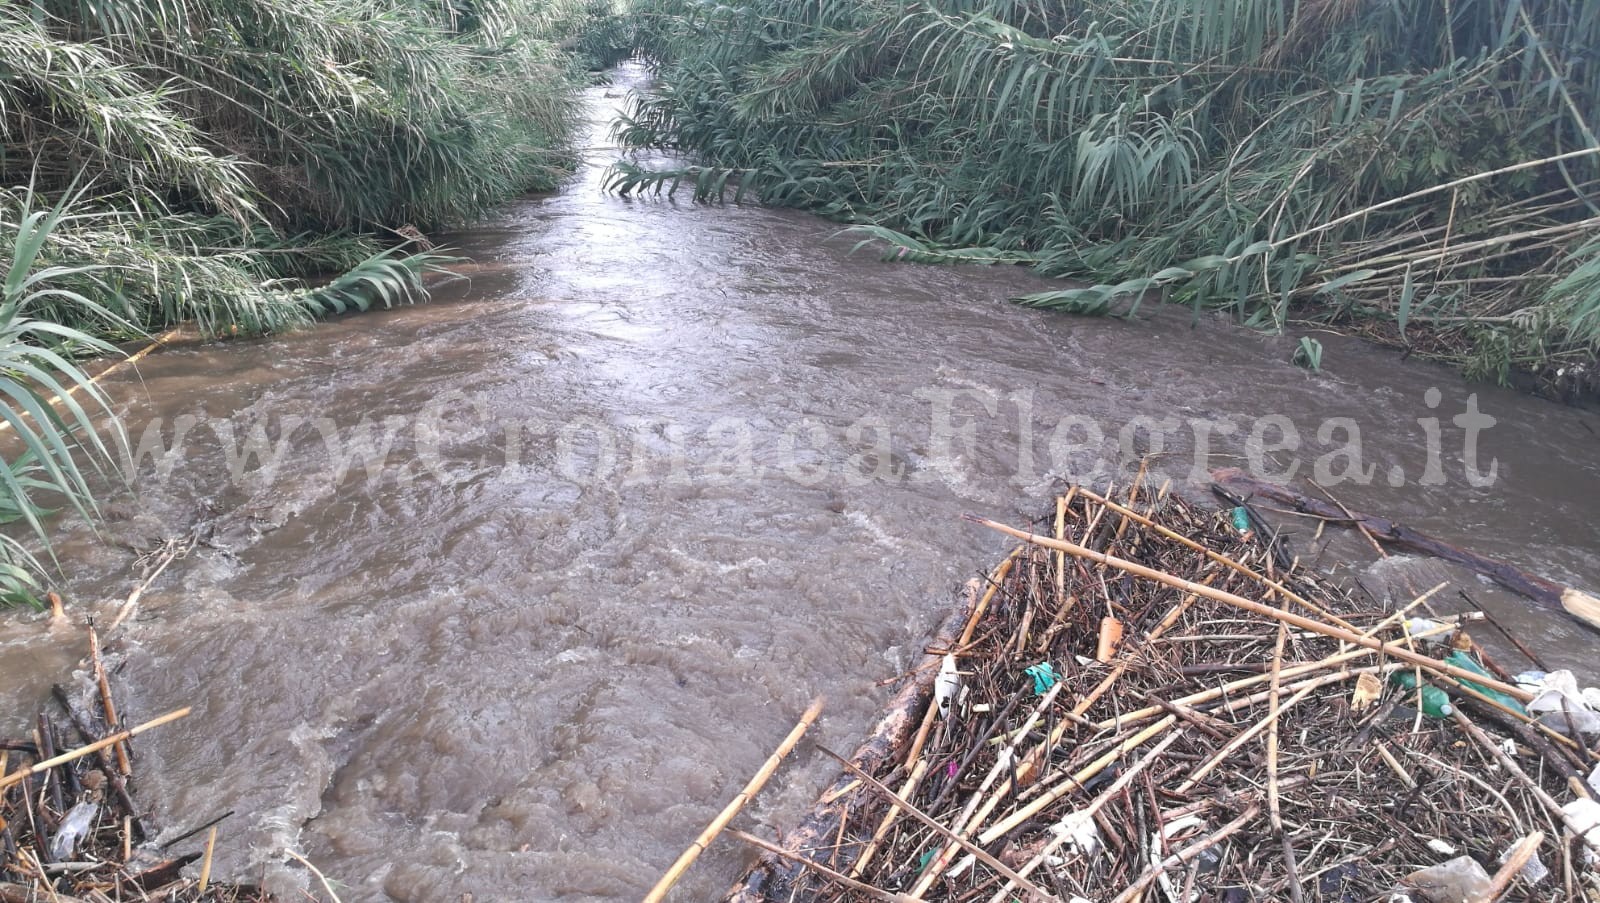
1419,171
217,161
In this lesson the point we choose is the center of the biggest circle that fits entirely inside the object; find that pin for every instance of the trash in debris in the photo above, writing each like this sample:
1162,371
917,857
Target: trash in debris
1560,705
1460,879
1533,872
1442,847
1044,677
946,685
1435,703
1158,758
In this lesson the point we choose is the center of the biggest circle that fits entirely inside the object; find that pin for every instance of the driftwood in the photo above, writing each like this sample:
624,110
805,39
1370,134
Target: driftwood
773,877
105,854
1575,602
1047,766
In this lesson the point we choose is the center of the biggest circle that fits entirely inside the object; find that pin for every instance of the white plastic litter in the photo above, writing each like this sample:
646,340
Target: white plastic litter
1559,698
1442,847
946,685
1079,832
1427,630
1583,819
73,828
1534,872
1461,878
1168,831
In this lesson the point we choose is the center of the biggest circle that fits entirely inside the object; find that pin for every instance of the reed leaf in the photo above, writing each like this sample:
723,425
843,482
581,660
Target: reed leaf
1445,151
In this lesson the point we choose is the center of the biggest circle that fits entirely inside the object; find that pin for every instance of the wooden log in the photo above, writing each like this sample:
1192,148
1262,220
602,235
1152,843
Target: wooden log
775,877
1581,605
107,705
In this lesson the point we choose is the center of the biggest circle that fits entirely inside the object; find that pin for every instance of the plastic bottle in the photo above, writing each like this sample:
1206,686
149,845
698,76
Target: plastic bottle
1468,662
946,685
1435,702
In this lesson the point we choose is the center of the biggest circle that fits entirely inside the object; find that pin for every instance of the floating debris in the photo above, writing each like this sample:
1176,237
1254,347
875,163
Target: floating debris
1244,734
70,831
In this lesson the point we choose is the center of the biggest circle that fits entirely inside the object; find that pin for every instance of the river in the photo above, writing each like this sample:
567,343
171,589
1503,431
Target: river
525,582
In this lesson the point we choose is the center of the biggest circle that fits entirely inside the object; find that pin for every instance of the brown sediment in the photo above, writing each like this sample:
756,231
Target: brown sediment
1157,770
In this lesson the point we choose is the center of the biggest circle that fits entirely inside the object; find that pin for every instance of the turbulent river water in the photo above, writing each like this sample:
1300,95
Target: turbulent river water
507,593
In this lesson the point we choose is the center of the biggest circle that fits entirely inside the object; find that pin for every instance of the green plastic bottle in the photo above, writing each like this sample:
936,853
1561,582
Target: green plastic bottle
1469,662
1435,702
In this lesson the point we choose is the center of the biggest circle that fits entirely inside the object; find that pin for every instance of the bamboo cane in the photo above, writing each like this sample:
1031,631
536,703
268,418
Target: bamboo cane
995,579
659,892
1216,595
982,854
1205,696
1061,557
205,863
1274,802
109,706
17,776
1218,557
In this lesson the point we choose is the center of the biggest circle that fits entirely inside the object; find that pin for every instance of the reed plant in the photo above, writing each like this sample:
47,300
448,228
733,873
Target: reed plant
245,165
1423,172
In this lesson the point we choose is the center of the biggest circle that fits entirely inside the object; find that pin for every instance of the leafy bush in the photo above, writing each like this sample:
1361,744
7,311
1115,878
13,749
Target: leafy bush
243,164
1423,172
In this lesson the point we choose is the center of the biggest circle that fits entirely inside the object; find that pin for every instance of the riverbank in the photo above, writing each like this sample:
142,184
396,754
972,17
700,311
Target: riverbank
246,167
1420,174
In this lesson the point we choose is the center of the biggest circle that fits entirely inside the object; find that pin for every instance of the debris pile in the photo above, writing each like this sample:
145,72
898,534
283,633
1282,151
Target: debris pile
1150,701
69,830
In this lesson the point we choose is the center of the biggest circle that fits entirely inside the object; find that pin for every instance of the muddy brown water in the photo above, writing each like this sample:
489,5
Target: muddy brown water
609,514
